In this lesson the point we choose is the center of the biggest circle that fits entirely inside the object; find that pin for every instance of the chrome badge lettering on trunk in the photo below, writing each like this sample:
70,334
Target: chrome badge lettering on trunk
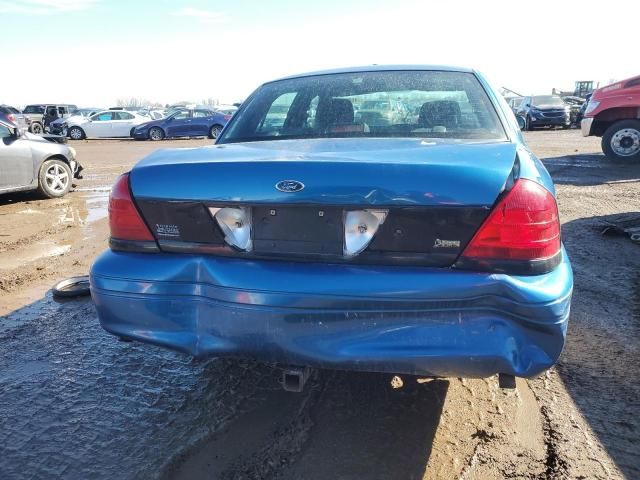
438,243
167,230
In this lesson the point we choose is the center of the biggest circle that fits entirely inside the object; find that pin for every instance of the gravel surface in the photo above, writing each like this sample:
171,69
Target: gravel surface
77,403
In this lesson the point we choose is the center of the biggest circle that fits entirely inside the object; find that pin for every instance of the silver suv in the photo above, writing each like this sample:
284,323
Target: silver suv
31,162
42,114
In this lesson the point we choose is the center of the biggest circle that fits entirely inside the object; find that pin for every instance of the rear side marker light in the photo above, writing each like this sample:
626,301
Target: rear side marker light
523,226
125,222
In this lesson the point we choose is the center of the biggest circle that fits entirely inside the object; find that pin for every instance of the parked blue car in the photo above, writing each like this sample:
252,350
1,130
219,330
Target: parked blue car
183,123
426,245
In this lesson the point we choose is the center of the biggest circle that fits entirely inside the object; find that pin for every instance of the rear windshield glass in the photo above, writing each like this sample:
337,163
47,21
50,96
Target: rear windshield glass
369,104
34,109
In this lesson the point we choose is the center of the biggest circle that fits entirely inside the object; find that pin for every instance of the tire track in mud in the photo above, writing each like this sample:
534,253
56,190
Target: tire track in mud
283,446
262,439
557,467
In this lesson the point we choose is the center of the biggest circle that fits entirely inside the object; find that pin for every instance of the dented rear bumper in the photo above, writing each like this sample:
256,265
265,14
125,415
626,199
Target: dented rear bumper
426,321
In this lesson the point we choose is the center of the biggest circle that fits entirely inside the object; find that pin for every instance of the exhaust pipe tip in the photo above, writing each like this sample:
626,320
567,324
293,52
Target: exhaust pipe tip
295,378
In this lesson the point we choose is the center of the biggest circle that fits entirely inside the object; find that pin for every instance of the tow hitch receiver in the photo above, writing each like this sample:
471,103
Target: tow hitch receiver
294,378
506,381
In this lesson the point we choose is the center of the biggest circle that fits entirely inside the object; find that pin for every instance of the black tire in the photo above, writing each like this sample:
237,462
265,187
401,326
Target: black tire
54,178
76,133
529,126
215,131
624,133
72,287
156,134
36,128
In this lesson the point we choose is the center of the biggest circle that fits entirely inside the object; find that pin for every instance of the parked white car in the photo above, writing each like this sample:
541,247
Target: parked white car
105,124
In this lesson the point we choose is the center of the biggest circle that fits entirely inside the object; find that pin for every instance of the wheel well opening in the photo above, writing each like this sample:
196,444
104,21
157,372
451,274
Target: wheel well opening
608,117
62,158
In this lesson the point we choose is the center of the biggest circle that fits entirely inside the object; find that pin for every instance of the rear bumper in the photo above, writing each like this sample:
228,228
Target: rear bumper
423,321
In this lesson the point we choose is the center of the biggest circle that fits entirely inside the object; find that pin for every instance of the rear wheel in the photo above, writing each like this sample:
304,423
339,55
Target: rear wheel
215,131
156,134
621,141
37,128
76,133
54,179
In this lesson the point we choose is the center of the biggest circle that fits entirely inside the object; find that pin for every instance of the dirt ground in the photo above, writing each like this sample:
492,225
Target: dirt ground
579,420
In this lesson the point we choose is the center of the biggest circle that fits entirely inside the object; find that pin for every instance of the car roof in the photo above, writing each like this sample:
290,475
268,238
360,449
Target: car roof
380,68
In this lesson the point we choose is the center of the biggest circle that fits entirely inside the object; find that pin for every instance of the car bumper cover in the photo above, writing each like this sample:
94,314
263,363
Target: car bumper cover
421,321
585,126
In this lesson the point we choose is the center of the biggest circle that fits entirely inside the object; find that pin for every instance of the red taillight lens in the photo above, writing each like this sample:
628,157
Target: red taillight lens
227,118
125,222
12,117
523,226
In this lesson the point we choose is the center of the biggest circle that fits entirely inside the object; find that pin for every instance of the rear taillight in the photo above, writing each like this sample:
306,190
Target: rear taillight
523,227
125,222
227,118
12,117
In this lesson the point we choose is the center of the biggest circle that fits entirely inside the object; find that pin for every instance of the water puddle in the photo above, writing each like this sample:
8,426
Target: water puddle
43,249
97,204
90,207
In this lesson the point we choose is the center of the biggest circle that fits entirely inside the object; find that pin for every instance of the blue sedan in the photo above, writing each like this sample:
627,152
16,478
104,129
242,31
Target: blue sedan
429,244
183,123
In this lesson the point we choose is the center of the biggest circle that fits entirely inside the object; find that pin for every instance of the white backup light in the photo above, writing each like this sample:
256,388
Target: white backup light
235,223
359,228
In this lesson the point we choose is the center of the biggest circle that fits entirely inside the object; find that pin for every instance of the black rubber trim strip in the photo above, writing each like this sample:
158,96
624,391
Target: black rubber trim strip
511,267
119,245
364,258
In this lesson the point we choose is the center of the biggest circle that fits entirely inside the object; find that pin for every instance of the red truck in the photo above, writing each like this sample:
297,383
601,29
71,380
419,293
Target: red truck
613,113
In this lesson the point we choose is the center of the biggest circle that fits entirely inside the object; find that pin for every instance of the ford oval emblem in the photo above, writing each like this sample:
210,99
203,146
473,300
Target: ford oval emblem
289,186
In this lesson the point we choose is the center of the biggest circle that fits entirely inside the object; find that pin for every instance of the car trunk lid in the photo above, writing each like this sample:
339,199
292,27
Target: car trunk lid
435,194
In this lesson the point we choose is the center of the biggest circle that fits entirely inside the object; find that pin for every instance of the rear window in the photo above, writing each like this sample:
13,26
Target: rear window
34,109
369,104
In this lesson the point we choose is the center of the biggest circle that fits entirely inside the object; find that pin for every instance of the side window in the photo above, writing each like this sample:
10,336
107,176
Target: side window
632,83
4,132
122,116
277,114
102,117
62,111
201,114
181,115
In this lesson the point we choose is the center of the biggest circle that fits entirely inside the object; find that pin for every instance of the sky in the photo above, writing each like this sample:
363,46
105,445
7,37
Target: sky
94,52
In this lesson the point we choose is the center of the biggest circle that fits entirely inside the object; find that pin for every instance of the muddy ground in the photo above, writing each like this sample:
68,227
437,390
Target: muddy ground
76,403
